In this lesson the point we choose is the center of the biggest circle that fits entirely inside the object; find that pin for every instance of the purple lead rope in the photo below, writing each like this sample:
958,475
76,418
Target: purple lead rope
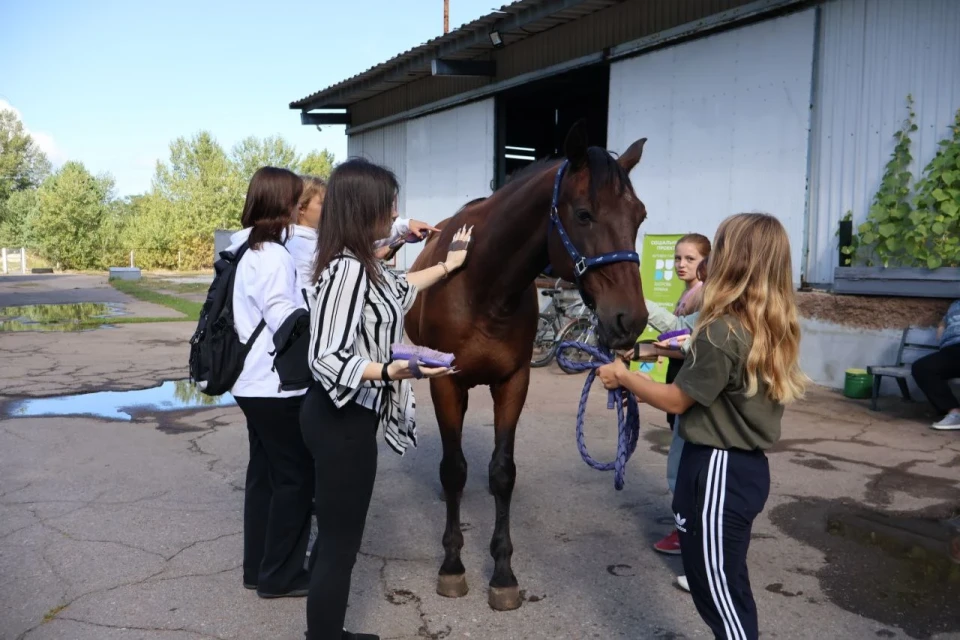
628,426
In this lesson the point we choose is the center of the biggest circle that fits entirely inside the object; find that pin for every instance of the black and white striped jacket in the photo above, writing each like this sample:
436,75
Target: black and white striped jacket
353,322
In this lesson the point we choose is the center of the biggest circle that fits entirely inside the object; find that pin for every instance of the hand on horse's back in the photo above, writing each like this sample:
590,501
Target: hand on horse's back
457,253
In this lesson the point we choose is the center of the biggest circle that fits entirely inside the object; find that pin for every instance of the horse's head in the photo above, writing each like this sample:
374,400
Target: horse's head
601,214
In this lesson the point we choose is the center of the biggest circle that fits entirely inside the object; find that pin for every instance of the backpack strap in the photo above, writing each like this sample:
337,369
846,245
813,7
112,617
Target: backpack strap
256,333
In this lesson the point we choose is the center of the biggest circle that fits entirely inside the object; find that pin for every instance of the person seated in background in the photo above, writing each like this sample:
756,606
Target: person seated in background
934,372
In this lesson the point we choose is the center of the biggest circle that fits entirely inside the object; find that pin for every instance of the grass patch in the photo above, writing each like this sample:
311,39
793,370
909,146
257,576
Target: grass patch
145,294
50,615
175,287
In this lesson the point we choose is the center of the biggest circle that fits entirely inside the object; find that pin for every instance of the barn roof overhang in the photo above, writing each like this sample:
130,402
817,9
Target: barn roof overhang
513,22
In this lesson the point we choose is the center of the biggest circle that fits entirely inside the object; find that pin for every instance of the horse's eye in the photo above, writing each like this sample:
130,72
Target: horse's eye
583,215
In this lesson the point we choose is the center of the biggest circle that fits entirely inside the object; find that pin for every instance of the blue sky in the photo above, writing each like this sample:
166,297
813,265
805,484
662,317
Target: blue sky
112,82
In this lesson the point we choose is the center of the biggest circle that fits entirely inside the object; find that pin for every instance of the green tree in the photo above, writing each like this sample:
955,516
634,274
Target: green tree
196,192
317,163
15,213
119,220
251,153
65,228
22,164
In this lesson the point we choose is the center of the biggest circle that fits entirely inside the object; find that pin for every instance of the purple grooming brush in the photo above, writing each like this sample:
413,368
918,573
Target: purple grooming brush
663,337
417,356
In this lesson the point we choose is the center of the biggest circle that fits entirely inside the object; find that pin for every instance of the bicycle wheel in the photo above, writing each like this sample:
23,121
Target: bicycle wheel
545,342
580,330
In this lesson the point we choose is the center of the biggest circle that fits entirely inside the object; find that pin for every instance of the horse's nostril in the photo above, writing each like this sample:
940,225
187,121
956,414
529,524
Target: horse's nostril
620,325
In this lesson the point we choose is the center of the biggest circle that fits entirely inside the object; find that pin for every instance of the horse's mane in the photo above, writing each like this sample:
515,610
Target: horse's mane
602,165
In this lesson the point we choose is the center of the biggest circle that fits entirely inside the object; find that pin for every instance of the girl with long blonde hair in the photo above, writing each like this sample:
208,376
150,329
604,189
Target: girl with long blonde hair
743,369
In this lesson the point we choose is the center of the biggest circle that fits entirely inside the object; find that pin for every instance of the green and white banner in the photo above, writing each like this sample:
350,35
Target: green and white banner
660,285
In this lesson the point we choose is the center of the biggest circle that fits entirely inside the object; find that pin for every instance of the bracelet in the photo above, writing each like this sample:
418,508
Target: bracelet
385,374
446,271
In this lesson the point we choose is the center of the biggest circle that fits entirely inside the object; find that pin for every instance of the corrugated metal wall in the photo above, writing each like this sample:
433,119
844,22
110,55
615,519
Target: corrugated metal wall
386,146
449,163
411,95
871,54
727,117
618,24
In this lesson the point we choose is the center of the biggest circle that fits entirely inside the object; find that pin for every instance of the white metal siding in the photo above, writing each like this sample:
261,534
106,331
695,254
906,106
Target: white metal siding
727,117
386,146
449,162
871,54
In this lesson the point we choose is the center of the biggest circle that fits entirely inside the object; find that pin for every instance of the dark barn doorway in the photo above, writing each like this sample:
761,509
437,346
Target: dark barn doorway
533,119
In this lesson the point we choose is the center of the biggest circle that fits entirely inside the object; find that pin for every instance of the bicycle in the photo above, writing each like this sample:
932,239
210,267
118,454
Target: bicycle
548,328
581,329
551,329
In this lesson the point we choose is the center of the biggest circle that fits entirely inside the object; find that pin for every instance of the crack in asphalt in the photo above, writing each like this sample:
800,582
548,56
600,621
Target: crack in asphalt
130,628
402,597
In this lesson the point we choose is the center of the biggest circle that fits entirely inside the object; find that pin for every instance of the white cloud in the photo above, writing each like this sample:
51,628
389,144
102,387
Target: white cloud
45,141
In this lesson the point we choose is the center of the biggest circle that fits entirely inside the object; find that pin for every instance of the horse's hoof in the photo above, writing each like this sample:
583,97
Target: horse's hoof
453,586
505,598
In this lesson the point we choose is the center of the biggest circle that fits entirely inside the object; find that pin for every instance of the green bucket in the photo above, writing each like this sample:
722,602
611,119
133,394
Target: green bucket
858,384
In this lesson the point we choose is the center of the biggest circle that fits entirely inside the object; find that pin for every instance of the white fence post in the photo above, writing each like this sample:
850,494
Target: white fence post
23,261
131,259
4,261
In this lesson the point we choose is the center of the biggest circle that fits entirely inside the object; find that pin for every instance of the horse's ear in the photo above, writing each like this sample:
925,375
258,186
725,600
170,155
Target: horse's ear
575,146
631,157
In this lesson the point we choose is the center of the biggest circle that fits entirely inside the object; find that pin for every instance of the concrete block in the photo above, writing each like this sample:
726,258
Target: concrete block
124,273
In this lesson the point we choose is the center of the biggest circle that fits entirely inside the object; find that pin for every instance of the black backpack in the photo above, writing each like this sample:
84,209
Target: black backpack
292,360
216,353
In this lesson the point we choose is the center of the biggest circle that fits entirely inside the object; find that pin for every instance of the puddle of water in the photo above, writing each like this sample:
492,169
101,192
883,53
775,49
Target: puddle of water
78,316
172,395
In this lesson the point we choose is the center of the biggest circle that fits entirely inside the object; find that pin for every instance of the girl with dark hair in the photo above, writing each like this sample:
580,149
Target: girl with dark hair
357,310
279,486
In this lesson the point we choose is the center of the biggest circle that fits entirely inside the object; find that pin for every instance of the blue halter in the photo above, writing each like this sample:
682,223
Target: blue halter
580,264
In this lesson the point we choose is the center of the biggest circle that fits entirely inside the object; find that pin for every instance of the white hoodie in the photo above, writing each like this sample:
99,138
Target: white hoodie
267,286
303,247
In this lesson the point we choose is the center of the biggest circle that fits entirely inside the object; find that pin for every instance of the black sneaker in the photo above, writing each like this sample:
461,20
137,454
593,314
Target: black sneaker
294,593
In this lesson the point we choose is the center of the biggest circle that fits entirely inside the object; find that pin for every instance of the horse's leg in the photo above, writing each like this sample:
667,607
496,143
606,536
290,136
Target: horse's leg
508,399
450,405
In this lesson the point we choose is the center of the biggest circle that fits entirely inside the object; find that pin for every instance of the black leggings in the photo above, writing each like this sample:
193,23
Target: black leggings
277,498
933,373
344,447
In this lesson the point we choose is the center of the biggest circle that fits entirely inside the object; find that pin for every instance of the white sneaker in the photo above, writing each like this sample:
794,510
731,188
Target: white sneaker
950,422
683,584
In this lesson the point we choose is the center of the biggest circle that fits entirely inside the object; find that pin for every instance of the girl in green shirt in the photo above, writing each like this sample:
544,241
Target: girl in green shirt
742,370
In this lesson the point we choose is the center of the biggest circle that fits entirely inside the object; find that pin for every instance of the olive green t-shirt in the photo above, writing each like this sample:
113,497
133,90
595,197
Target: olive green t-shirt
713,375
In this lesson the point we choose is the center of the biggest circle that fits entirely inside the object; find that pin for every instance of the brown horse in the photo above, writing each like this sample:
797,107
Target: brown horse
486,314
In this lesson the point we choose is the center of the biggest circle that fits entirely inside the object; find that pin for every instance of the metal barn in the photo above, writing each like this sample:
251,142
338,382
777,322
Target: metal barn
784,106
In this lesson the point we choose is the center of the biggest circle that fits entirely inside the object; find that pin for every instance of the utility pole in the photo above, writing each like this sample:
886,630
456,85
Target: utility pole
446,16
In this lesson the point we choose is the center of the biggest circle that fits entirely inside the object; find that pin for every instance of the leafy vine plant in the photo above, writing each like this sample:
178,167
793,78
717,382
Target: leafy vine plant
933,237
880,237
919,225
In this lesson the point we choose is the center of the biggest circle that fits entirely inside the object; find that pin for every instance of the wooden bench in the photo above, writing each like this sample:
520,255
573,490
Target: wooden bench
914,344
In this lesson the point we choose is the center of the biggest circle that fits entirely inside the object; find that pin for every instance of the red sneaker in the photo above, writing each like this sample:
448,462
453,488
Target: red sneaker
669,545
